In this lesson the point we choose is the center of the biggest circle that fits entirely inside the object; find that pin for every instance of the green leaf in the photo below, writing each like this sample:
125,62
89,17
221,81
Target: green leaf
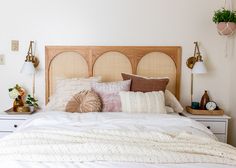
224,15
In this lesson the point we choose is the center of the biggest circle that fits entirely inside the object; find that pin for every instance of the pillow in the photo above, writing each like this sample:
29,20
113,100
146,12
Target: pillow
143,84
172,101
109,93
66,88
138,102
85,101
169,109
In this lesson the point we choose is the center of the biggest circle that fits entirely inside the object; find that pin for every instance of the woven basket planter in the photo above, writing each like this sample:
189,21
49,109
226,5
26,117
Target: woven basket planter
226,28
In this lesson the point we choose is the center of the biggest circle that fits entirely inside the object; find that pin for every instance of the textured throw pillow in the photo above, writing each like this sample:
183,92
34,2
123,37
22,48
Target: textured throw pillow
138,102
169,109
85,101
109,93
172,101
66,88
143,84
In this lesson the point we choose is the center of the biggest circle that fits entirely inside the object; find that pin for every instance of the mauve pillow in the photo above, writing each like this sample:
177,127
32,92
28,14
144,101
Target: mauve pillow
144,84
109,93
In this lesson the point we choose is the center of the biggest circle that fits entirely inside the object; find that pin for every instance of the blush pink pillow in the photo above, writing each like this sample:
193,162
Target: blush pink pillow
109,94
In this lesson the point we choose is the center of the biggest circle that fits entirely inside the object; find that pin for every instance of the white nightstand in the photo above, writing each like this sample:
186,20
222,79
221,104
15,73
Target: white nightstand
9,123
217,124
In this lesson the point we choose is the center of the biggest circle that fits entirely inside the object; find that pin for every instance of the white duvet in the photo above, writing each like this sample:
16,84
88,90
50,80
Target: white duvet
58,139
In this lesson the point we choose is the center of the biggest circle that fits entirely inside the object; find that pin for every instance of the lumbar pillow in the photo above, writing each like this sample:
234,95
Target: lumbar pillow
138,102
143,84
85,101
109,93
172,101
66,88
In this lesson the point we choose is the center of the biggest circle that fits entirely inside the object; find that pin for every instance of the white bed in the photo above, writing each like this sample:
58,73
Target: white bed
75,123
113,139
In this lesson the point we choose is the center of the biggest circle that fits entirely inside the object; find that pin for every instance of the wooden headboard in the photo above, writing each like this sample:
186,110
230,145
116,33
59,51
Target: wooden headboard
110,61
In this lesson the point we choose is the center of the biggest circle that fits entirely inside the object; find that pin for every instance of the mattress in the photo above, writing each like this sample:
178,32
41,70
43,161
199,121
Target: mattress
75,123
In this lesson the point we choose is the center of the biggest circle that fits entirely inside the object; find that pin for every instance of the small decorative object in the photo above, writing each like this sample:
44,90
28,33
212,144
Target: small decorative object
32,103
195,105
196,64
226,21
18,102
16,93
205,99
211,105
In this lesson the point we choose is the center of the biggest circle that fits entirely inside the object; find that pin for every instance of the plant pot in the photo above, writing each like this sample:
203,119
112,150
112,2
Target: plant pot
226,28
31,108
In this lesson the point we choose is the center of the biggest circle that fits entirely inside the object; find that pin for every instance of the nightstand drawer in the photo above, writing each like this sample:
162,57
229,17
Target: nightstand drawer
9,125
217,127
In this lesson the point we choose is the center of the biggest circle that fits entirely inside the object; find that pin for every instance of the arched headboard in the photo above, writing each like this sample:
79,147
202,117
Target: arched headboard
110,61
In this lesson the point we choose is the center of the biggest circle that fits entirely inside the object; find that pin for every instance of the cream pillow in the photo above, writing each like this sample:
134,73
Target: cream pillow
138,102
66,88
172,101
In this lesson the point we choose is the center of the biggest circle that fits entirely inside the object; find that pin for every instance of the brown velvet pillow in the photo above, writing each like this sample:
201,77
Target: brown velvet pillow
143,84
84,101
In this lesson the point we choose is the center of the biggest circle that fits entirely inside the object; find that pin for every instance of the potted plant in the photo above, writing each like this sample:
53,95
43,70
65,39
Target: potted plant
32,103
225,20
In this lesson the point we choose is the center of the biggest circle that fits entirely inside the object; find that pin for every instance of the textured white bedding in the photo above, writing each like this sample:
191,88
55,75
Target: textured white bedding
170,124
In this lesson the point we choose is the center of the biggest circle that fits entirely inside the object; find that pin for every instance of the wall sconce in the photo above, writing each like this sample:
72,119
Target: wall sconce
31,62
196,64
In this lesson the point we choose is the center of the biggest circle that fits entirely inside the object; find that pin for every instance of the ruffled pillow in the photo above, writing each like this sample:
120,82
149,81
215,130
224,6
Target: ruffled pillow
85,101
109,93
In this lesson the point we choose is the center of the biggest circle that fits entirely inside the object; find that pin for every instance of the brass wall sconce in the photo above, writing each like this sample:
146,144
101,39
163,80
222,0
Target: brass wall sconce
195,63
31,62
30,57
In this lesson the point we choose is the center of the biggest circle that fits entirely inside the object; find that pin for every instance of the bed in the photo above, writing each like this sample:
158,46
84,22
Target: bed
113,139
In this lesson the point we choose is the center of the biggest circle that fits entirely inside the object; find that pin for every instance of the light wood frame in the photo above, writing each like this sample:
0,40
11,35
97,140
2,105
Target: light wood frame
92,53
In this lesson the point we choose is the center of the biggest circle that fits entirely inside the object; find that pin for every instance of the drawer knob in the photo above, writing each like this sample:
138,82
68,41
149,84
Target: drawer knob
15,126
208,127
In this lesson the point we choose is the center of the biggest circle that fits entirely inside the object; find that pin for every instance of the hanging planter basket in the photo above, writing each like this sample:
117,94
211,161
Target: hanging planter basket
226,28
226,21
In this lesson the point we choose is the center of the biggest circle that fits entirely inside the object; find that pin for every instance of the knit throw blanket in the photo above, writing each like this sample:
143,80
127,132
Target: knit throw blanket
114,145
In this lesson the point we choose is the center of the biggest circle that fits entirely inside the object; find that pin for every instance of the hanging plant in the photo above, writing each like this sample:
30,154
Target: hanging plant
225,20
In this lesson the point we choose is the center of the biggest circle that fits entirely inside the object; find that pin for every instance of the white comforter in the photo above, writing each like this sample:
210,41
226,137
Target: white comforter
60,132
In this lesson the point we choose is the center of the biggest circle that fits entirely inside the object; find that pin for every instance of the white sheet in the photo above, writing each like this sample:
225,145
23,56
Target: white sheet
78,122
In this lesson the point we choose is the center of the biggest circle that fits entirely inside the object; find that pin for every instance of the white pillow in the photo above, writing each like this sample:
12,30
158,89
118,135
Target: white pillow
66,88
169,109
172,101
138,102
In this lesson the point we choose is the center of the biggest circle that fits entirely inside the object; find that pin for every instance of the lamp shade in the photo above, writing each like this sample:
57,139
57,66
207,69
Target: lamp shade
199,68
28,68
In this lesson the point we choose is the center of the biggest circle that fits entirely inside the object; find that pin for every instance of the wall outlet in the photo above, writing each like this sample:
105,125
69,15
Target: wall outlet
14,45
2,62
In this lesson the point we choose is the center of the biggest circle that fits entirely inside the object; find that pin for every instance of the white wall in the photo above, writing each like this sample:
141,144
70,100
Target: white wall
116,22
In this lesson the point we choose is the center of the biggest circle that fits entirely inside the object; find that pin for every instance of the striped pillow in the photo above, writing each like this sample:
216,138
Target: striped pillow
138,102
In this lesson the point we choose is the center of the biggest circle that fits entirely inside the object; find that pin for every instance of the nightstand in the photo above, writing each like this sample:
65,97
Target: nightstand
217,124
9,123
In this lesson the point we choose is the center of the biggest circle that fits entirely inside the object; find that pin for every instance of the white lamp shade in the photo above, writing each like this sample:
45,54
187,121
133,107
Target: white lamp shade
199,68
28,68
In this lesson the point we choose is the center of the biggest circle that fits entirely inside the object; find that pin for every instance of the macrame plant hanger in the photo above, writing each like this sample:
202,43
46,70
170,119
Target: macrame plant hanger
227,28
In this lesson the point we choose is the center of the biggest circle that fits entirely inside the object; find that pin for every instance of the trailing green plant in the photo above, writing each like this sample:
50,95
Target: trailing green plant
31,101
224,15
